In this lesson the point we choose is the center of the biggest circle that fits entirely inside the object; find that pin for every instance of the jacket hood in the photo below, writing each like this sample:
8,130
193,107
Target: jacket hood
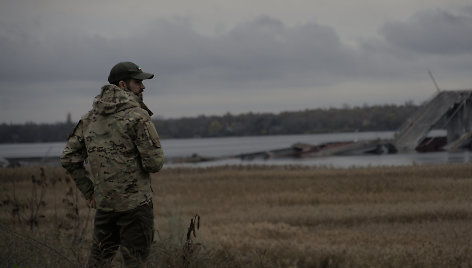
114,99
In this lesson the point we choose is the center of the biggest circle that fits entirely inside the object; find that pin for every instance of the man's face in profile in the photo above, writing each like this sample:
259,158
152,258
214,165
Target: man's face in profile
136,86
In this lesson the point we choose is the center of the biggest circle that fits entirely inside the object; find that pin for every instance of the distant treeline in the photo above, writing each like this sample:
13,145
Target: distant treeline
365,118
32,132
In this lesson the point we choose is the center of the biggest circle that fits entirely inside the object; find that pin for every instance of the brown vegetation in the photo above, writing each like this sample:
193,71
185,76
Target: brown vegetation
417,216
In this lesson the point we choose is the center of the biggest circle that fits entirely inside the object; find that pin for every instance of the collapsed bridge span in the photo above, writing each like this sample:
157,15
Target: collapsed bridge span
449,110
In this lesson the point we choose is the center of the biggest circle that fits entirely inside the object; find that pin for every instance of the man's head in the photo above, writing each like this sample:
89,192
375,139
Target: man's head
128,75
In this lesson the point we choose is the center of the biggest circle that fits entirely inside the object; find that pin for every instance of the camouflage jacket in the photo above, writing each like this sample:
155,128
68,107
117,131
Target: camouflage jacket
122,146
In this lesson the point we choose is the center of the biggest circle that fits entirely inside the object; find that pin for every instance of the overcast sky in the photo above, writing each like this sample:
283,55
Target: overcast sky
217,56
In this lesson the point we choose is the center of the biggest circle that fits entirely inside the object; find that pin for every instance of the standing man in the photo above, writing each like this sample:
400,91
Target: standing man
122,146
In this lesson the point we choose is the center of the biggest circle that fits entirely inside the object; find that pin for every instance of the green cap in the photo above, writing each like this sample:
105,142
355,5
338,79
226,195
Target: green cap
126,70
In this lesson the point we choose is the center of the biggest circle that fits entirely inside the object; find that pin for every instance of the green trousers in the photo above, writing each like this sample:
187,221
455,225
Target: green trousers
132,231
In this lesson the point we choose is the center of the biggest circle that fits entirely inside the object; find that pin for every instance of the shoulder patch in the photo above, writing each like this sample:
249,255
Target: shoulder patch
152,133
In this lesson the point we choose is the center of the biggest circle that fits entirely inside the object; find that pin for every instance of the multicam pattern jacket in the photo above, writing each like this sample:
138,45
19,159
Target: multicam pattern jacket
122,146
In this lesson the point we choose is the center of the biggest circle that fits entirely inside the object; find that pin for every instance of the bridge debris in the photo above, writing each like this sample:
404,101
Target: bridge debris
450,110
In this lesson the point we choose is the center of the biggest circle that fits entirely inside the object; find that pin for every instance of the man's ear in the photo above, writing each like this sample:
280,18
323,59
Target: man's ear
122,84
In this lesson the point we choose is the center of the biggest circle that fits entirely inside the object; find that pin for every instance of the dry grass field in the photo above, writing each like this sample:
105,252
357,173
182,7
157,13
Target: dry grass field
258,216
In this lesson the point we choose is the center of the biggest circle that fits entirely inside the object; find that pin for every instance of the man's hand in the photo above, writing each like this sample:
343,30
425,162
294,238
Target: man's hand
91,202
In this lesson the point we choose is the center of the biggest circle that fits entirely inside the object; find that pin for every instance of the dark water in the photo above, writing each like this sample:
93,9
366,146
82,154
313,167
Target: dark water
215,147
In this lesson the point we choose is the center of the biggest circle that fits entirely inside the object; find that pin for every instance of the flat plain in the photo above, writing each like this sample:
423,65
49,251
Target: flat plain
257,216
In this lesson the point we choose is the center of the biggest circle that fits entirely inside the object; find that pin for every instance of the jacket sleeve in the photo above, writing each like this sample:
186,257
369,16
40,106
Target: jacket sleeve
149,146
73,158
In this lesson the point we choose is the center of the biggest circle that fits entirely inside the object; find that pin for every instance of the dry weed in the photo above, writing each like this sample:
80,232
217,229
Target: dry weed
416,216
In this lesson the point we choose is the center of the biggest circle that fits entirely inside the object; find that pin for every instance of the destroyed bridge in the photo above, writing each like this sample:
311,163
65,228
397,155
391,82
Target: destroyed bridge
447,110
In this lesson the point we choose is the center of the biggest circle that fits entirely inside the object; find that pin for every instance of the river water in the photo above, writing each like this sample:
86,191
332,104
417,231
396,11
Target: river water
215,147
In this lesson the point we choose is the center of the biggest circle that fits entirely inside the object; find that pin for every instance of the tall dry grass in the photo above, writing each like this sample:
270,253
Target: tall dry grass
259,216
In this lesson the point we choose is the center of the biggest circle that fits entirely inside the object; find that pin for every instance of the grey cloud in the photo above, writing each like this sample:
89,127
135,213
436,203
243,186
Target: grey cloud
265,46
255,52
435,31
260,53
258,57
